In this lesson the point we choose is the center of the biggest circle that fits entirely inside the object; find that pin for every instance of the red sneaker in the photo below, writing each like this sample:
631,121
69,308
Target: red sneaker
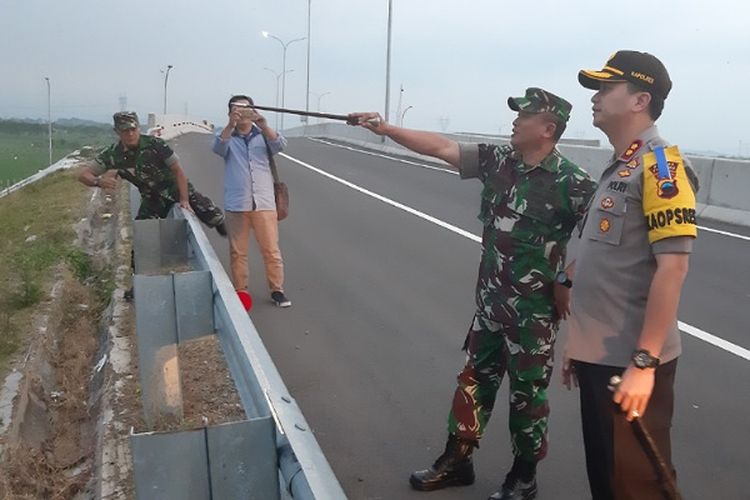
246,299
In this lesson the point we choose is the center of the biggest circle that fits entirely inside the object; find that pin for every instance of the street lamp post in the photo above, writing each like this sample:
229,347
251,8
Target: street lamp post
388,65
307,90
49,118
276,102
166,78
283,66
404,114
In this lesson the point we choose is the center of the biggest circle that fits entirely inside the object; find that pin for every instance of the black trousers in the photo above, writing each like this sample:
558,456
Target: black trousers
617,466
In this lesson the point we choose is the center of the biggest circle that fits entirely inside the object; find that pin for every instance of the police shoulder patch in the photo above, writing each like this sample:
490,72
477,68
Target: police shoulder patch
632,150
668,197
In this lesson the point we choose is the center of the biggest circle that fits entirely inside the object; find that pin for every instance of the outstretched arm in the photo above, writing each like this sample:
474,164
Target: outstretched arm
426,143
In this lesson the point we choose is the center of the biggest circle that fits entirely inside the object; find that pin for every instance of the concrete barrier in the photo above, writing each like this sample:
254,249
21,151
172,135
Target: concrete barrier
729,185
170,126
724,183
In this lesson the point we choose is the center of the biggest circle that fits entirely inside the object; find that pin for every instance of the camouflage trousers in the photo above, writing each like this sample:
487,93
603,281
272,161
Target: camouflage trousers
525,352
204,209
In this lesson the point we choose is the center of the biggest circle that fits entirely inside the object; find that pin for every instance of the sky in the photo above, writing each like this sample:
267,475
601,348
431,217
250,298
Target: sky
457,61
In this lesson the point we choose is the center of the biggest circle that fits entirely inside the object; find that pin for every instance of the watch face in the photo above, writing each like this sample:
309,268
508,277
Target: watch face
561,278
643,360
640,360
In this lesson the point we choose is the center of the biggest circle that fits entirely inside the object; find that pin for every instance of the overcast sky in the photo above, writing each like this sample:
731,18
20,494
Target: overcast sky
458,60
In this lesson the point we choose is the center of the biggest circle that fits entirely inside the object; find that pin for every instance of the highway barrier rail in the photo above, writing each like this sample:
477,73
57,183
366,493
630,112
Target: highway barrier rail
182,292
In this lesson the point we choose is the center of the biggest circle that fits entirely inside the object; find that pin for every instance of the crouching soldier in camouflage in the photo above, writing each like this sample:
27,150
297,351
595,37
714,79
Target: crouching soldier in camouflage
151,165
532,200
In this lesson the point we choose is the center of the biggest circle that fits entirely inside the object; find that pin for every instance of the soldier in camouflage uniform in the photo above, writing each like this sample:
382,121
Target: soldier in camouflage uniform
151,165
532,200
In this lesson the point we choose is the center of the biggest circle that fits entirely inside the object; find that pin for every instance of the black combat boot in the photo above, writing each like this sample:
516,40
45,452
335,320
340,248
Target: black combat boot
520,483
453,468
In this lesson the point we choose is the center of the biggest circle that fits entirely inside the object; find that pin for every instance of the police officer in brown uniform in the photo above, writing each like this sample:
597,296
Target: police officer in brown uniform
627,279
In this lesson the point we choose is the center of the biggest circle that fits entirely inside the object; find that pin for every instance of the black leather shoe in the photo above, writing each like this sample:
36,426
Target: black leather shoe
515,489
453,468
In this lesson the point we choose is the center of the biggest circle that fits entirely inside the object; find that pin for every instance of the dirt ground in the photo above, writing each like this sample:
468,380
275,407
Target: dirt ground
53,450
209,396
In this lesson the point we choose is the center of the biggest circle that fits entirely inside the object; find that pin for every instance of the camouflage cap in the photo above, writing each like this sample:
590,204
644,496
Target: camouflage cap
539,100
125,120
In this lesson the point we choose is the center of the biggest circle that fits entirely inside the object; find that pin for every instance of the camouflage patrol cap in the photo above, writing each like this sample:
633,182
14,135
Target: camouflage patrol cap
539,100
125,120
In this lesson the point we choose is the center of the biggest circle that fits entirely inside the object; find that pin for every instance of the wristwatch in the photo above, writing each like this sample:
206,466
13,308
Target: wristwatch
96,181
643,359
562,279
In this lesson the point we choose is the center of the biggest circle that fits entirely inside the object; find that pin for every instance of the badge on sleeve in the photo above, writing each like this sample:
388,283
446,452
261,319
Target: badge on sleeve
668,197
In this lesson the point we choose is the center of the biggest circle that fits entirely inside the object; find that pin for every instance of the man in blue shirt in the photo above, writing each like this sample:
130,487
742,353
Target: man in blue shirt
245,144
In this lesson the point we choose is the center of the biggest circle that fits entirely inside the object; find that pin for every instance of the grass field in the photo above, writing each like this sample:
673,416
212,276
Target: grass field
24,146
36,224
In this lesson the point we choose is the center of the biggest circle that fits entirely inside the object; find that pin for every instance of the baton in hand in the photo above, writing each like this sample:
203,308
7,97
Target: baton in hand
330,116
663,472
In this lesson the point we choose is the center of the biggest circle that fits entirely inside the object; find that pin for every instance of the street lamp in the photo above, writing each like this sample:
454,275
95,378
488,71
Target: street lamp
283,66
276,102
319,98
166,77
49,119
404,114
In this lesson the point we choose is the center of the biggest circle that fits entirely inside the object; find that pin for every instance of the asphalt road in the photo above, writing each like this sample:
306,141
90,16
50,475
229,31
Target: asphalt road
382,300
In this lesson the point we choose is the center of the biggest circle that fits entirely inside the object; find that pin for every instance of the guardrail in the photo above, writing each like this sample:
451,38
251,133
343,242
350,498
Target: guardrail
64,163
303,465
304,472
723,182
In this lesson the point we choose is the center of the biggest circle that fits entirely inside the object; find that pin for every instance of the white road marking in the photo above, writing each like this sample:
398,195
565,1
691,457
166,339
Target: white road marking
388,201
689,329
453,172
725,233
387,157
714,340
